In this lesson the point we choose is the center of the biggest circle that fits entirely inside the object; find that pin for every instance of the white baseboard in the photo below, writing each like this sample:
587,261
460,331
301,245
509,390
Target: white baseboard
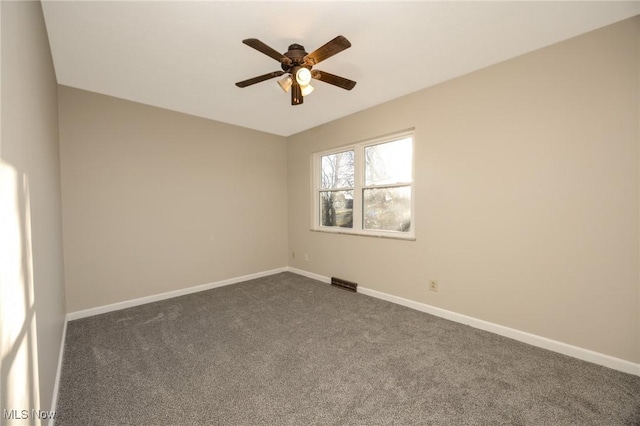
56,384
522,336
168,295
309,275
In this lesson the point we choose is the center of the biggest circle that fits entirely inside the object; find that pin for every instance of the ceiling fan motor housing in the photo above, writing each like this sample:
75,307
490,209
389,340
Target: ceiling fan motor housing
296,54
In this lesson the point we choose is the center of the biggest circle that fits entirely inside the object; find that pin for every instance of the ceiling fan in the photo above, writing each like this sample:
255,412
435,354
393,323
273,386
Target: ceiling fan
298,65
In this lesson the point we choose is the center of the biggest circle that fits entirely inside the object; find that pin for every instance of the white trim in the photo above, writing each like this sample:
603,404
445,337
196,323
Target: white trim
522,336
309,275
168,295
56,384
395,236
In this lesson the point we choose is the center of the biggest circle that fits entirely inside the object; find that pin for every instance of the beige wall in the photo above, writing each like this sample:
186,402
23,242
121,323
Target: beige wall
32,309
527,195
155,201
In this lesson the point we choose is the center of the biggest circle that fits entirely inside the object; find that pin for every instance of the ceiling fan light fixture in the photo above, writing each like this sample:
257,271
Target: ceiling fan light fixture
303,76
286,83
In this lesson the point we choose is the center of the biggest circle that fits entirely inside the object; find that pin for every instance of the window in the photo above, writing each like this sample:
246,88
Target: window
366,188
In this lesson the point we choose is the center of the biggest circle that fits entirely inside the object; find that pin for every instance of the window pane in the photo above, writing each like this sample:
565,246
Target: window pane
388,163
336,208
337,170
387,209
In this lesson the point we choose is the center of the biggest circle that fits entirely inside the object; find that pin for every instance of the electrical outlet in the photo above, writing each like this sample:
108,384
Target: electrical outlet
306,257
433,285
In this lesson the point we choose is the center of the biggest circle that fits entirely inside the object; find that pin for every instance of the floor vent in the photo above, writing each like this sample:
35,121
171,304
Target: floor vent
347,285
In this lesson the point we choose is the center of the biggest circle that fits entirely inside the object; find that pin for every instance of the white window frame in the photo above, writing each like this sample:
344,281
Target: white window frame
359,187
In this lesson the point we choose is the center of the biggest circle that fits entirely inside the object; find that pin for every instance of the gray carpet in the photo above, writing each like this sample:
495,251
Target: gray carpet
288,350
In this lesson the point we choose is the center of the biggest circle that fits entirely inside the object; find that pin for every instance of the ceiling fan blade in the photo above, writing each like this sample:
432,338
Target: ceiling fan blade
259,78
336,80
333,47
267,50
296,95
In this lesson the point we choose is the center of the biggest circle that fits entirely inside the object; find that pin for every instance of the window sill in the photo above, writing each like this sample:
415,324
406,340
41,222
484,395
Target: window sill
359,234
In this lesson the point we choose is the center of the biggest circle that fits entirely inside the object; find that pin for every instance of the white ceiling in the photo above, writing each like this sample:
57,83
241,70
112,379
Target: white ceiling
186,55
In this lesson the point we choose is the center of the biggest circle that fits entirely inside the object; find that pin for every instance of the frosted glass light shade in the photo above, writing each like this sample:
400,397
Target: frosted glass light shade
303,76
286,83
306,89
